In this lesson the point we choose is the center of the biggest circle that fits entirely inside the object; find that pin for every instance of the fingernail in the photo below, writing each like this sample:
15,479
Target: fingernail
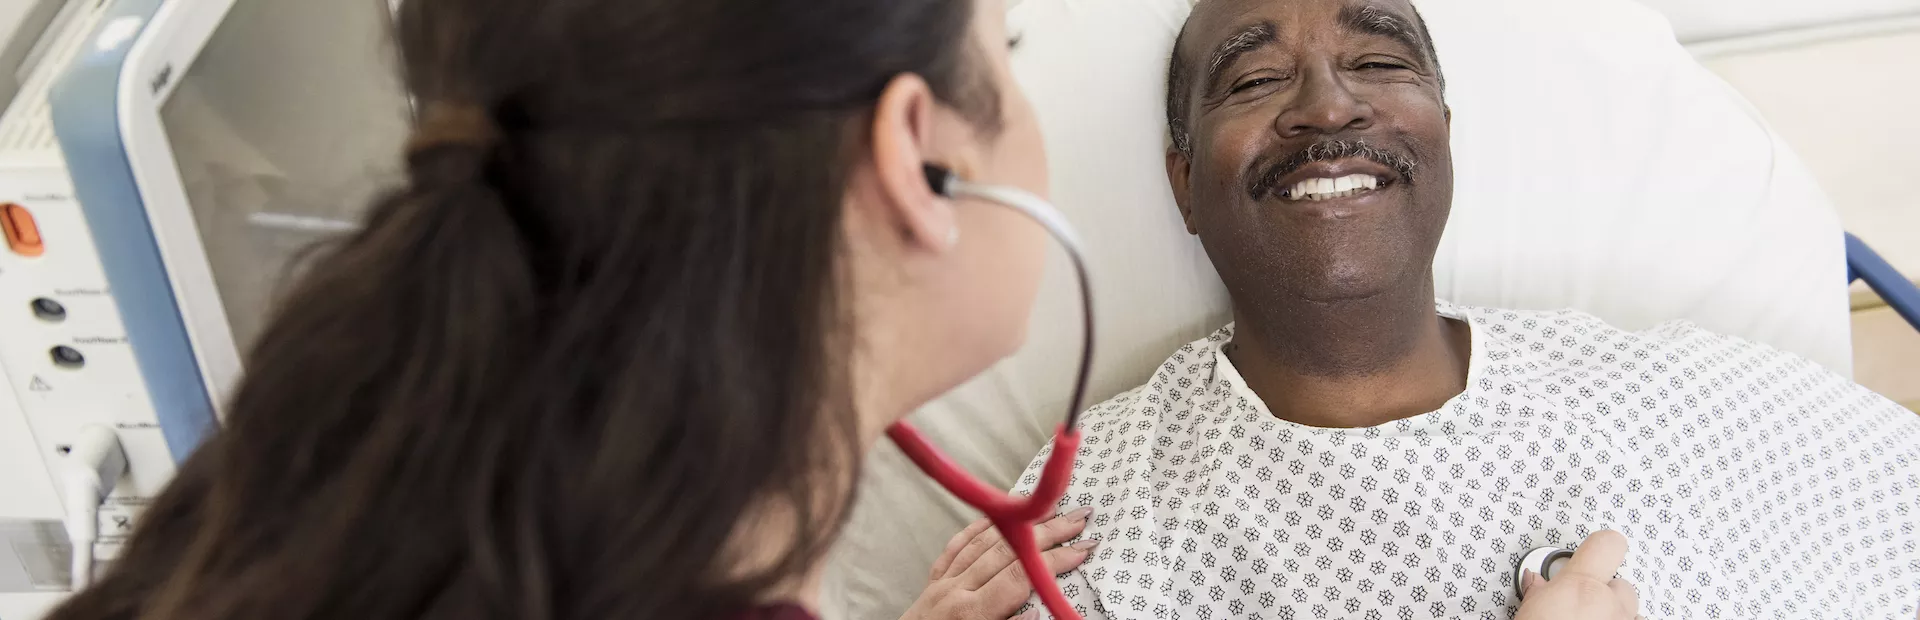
1086,545
1527,580
1079,514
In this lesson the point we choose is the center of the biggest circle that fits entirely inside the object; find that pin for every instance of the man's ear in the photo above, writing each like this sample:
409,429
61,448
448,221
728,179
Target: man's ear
1448,110
902,144
1179,175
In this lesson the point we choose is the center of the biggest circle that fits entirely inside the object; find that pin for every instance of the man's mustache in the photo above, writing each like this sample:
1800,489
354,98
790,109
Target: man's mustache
1329,150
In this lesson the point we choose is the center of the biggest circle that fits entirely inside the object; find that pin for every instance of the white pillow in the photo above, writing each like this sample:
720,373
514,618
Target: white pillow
1597,167
1601,168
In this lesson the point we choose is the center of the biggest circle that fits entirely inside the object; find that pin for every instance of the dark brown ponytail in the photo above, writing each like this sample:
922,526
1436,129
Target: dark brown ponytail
597,328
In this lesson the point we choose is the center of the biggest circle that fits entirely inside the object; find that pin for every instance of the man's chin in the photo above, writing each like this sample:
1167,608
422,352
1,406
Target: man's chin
1348,285
1343,294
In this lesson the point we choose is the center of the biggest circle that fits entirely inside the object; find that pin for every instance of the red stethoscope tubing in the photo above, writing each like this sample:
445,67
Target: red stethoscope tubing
1013,515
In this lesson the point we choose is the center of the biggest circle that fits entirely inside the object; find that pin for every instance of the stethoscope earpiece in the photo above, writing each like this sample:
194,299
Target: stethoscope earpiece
939,179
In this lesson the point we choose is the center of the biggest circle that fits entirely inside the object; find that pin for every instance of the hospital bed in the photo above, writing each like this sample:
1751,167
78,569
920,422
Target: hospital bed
170,158
1599,166
1866,265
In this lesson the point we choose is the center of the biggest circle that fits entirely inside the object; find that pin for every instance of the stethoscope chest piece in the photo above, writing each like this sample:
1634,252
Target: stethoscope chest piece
1547,561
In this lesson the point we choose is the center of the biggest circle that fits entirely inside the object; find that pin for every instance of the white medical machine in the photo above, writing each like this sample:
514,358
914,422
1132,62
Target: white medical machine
163,163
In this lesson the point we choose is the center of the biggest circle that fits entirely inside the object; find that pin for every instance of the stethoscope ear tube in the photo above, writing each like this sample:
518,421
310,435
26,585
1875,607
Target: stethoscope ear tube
1015,516
945,183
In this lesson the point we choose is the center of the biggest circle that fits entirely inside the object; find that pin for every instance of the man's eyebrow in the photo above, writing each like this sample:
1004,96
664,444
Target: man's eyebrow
1246,40
1372,20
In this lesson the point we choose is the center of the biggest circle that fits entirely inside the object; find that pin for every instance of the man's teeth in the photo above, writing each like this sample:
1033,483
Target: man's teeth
1325,189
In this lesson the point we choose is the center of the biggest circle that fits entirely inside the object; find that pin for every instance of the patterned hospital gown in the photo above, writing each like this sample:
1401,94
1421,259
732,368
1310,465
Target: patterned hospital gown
1752,484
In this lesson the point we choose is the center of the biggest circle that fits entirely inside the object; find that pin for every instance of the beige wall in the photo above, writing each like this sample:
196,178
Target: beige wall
1887,355
1705,20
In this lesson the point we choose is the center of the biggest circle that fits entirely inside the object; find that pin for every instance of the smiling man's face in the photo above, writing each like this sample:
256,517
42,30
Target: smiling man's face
1312,154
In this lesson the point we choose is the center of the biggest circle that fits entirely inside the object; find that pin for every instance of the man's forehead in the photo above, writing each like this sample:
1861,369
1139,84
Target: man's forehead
1213,20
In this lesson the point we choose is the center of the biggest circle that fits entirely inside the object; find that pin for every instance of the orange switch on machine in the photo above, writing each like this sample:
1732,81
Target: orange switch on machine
23,235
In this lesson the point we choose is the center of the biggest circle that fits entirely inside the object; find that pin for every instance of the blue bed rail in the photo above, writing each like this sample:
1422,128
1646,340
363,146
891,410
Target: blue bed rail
1897,290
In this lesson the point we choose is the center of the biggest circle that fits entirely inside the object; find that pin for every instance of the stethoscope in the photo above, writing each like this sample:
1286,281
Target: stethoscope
1015,516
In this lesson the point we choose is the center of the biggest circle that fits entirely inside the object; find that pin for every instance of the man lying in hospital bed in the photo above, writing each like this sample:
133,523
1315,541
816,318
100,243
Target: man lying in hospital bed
1351,448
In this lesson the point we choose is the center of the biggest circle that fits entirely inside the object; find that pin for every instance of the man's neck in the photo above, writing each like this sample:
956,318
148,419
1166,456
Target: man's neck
1351,364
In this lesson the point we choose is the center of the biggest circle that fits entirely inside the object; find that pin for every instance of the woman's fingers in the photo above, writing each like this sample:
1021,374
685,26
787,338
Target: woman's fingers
1626,595
1599,557
977,574
954,545
1008,589
1061,528
1585,587
1054,531
971,552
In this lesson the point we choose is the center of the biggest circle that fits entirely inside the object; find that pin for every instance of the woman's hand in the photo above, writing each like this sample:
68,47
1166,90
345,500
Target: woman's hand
978,578
1586,589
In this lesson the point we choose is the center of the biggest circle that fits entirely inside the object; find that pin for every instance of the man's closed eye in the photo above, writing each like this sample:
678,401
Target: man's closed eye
1253,83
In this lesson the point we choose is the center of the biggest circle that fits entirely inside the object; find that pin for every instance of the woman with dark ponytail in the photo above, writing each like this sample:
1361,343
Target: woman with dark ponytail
662,271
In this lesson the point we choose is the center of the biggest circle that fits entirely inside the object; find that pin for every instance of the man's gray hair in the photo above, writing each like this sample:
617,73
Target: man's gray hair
1180,80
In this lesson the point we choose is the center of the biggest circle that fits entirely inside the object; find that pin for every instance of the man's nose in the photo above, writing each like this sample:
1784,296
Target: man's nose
1323,105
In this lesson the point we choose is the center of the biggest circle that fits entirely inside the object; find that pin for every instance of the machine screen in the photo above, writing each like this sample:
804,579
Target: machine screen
287,124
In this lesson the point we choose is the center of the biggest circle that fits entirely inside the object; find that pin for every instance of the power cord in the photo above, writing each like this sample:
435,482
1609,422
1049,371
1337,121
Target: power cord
89,473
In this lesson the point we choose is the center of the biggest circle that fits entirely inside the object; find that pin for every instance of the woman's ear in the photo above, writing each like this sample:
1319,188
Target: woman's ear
903,142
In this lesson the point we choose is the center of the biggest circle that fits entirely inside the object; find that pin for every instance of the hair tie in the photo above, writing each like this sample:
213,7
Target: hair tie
453,124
